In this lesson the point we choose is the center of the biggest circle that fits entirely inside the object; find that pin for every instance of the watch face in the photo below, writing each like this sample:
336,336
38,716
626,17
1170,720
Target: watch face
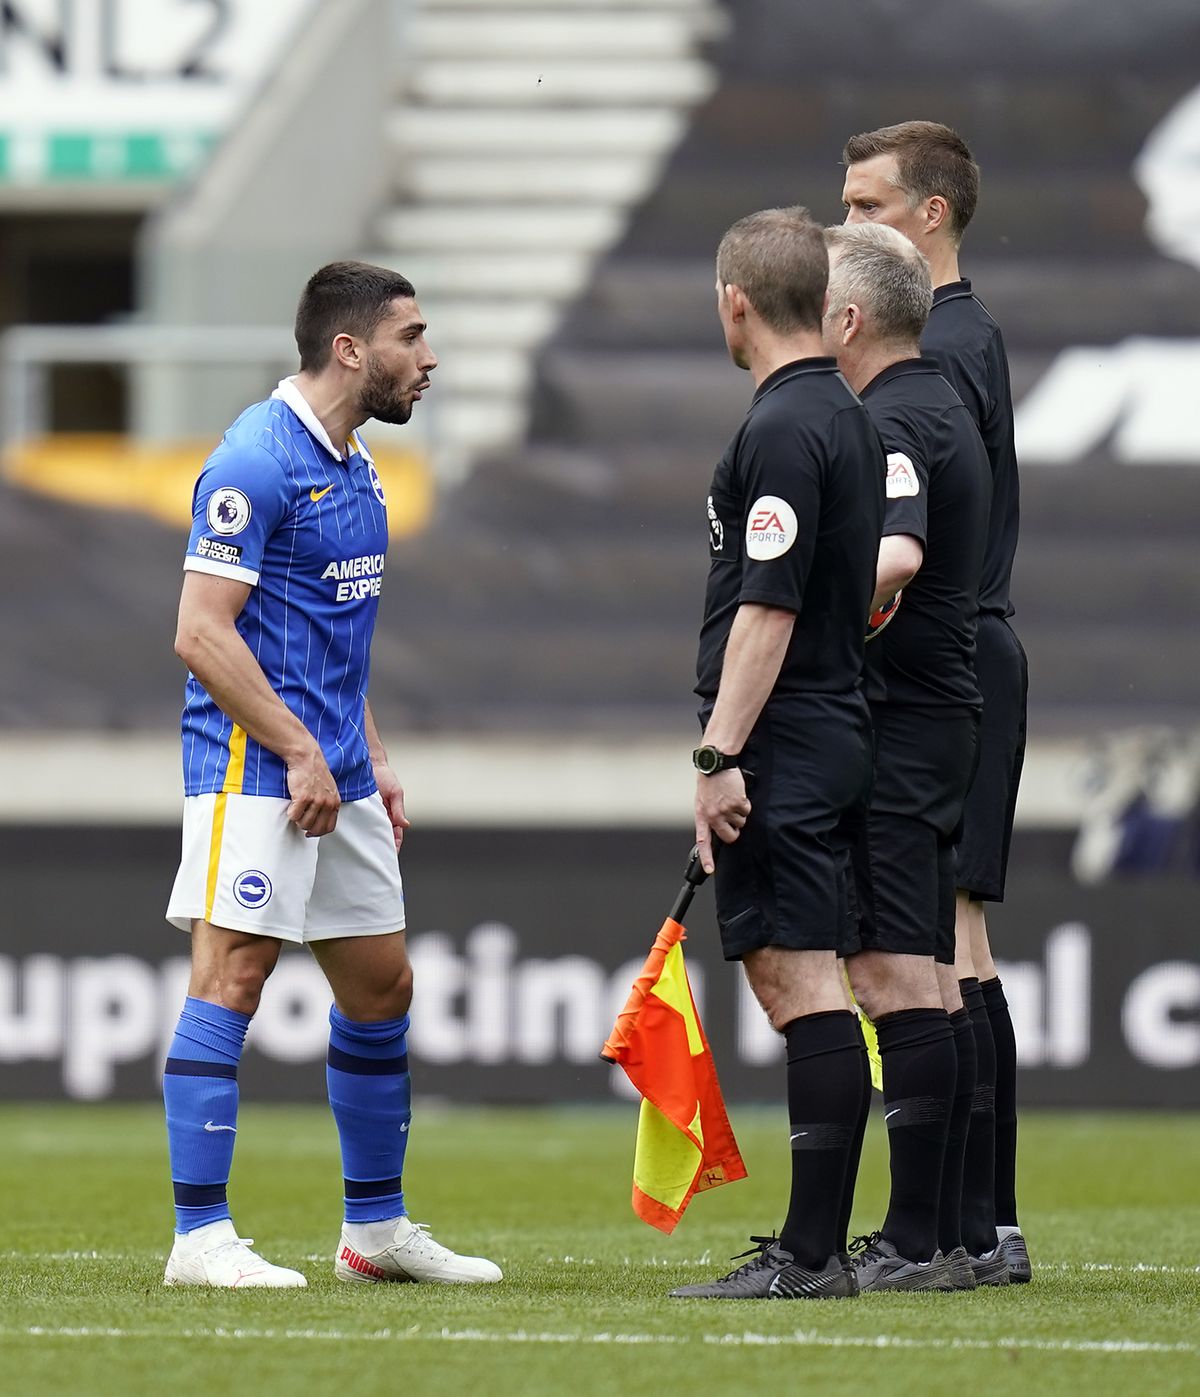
707,760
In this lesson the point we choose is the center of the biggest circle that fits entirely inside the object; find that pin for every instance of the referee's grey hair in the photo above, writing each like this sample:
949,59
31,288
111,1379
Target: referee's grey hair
778,258
886,276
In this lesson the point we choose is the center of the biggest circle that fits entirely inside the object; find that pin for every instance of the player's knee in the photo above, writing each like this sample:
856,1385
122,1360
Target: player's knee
391,997
240,988
402,992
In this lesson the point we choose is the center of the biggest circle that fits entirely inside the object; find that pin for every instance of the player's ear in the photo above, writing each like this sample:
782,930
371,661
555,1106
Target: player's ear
346,351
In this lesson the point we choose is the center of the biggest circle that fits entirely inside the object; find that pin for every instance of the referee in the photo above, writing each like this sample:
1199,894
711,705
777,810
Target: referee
793,519
925,711
919,178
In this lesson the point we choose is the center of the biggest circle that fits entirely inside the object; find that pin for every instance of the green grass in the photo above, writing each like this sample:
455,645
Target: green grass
1109,1204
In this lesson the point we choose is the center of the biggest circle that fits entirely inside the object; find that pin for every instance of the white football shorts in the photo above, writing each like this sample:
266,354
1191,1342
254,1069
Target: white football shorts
246,867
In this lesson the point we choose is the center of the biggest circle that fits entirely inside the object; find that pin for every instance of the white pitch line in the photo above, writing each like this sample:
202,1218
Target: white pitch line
747,1339
1133,1268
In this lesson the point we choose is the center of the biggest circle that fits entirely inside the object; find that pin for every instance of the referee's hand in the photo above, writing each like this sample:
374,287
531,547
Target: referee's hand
314,793
722,807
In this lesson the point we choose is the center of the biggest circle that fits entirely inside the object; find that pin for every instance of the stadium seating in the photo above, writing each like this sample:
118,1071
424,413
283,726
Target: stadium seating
558,587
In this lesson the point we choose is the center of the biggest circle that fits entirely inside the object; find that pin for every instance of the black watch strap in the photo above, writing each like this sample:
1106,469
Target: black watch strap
708,760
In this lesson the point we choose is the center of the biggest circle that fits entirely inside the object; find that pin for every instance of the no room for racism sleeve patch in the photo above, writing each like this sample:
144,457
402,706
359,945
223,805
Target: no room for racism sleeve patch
771,528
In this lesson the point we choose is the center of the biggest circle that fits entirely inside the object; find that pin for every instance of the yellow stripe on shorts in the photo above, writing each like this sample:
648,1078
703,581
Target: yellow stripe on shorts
235,772
234,776
214,854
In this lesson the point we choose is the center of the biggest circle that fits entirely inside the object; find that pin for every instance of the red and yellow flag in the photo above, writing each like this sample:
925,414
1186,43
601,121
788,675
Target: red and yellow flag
685,1143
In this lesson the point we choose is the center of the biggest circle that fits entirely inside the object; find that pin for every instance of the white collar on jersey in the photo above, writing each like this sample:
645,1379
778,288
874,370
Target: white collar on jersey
289,394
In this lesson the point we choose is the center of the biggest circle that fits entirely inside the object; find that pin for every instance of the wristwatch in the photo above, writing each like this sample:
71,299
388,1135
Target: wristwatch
708,760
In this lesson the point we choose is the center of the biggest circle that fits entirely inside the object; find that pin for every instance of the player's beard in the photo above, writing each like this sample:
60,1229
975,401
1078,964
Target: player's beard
380,398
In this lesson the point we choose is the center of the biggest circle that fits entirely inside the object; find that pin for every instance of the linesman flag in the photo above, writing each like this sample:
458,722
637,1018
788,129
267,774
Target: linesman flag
685,1143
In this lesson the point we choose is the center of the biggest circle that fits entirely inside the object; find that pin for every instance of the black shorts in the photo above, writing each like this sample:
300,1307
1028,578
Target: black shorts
785,880
1003,677
904,858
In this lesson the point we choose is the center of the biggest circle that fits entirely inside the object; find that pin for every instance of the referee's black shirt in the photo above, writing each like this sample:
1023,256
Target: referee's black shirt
968,348
938,490
794,518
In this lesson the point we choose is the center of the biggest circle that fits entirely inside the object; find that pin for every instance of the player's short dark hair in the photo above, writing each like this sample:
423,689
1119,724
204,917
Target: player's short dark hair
930,159
344,298
778,258
879,270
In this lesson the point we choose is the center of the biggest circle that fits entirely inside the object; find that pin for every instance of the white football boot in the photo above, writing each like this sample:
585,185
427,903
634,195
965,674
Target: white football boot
402,1250
216,1255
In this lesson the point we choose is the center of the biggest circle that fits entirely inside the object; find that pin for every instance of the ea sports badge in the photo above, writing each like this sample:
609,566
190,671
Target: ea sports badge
902,481
771,528
880,617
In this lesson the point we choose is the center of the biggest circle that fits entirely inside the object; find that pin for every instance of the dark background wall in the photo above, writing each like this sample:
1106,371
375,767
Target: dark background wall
525,943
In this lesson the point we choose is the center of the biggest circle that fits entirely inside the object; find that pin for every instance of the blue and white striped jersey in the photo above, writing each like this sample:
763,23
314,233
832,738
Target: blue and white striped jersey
278,506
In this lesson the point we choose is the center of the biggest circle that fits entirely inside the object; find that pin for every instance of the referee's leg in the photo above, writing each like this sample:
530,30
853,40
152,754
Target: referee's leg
982,859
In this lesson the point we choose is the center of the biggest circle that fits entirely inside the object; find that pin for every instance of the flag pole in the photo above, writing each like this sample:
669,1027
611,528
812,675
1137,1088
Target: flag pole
693,877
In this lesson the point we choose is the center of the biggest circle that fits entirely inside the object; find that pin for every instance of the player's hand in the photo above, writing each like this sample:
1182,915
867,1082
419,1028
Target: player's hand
722,808
392,794
314,793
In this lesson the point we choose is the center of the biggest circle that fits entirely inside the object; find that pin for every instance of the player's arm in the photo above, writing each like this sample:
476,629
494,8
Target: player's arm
758,641
207,641
390,789
900,559
905,510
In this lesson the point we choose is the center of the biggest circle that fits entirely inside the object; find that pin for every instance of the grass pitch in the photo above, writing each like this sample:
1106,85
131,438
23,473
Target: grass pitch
1109,1204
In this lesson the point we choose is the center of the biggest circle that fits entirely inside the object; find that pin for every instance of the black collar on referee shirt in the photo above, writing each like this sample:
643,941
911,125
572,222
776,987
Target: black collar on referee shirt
899,370
818,363
952,291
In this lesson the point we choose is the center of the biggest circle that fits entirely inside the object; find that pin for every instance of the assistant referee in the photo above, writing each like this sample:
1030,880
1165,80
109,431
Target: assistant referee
793,520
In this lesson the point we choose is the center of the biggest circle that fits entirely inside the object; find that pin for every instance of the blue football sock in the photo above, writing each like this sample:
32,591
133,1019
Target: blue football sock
200,1092
370,1093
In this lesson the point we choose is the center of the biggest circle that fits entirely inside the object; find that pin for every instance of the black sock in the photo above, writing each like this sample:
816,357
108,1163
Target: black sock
824,1089
950,1205
919,1071
979,1166
1006,1101
855,1155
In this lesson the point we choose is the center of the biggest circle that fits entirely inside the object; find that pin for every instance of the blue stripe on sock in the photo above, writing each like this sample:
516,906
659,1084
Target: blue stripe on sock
366,1066
196,1196
372,1188
200,1093
191,1067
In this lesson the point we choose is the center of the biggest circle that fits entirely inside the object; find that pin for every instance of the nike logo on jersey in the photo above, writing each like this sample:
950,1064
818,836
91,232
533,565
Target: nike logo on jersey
212,1129
314,494
798,1134
887,1115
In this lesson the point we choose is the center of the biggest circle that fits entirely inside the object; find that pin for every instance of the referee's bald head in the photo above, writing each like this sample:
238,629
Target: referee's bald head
886,276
